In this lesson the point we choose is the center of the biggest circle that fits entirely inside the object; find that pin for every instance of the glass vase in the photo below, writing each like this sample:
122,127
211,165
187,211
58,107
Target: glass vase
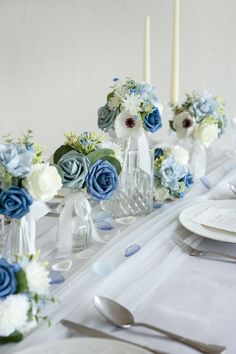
20,238
198,157
75,224
134,196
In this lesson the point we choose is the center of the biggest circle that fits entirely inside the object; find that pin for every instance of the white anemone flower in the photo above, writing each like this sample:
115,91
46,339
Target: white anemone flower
184,124
128,125
13,314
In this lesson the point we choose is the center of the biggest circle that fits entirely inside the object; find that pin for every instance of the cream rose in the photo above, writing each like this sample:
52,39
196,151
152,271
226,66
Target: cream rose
180,155
205,133
43,182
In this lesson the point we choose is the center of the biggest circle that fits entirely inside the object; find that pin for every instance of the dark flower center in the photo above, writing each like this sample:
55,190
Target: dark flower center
187,123
130,122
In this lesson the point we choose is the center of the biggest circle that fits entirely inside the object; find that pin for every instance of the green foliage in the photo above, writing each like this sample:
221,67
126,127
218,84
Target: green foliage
99,154
21,281
6,180
62,150
14,337
171,123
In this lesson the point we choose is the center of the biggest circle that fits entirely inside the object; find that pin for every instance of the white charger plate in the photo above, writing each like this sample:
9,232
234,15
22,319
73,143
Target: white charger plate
205,231
85,346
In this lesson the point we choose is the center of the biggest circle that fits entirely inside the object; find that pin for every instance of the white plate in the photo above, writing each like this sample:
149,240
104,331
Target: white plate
85,346
209,232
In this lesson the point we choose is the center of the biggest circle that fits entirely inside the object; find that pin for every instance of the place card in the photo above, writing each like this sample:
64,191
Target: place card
223,219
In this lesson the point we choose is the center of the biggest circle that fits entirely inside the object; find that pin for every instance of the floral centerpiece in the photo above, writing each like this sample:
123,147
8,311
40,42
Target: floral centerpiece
88,167
198,122
131,108
24,179
24,289
172,177
201,116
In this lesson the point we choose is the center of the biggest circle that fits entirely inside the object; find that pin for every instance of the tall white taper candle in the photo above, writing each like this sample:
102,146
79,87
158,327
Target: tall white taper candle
174,86
146,61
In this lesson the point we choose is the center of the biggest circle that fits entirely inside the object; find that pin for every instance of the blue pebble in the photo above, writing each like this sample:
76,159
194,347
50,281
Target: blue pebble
131,250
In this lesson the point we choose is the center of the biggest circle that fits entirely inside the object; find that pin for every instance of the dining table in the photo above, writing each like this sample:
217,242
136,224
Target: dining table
159,283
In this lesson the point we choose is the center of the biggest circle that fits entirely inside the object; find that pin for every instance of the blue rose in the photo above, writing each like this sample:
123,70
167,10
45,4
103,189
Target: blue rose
203,106
8,282
74,167
17,159
15,202
158,153
152,121
188,180
102,180
106,118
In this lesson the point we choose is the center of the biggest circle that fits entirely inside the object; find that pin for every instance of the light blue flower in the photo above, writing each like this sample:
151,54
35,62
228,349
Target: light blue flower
148,92
8,282
170,173
17,159
203,106
102,180
15,202
187,179
74,168
152,121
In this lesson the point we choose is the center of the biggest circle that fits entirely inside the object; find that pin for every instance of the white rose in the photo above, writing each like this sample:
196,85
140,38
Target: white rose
37,277
13,314
161,194
43,182
205,133
180,155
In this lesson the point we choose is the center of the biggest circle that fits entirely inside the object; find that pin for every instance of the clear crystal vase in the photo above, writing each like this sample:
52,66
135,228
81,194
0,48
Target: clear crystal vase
20,238
134,195
75,224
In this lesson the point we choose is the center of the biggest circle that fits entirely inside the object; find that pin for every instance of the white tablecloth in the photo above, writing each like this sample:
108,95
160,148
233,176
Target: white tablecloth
192,296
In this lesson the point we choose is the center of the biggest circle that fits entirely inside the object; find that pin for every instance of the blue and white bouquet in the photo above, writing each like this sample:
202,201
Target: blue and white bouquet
201,116
86,162
24,177
131,108
172,177
24,289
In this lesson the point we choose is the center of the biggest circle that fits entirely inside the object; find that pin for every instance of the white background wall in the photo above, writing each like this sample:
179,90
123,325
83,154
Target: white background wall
58,57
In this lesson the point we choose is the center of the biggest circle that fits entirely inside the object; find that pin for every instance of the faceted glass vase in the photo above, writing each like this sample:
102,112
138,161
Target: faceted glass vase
134,196
20,239
74,229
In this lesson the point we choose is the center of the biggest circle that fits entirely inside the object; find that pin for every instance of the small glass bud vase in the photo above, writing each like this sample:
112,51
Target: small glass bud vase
20,238
134,196
75,224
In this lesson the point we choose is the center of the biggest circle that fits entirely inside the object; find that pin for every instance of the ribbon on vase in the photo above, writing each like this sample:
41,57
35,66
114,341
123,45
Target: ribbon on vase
75,204
144,156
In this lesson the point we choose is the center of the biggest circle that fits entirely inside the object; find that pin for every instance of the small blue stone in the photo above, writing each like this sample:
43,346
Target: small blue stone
104,225
56,277
131,250
205,181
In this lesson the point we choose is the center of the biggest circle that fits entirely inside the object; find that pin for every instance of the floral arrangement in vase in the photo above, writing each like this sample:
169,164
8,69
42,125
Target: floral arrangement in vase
172,176
201,116
86,162
24,179
24,289
131,109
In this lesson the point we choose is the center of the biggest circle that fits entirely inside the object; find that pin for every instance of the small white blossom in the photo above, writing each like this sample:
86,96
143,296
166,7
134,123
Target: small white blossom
13,314
37,277
161,194
132,103
114,102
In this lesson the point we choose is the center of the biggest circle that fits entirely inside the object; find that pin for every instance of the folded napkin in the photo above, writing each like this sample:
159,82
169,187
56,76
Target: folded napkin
222,189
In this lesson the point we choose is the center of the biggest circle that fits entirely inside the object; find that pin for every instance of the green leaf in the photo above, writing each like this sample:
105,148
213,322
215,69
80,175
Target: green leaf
62,150
114,162
21,281
172,125
14,337
110,95
99,154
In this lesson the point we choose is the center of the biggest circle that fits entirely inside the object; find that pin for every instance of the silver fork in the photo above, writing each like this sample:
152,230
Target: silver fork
196,251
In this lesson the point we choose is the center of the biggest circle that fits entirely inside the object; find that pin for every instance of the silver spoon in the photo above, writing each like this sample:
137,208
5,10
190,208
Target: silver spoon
232,187
122,317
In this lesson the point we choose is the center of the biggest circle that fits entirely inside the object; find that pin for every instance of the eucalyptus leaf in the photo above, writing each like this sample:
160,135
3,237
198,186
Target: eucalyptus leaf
99,154
14,337
62,150
114,162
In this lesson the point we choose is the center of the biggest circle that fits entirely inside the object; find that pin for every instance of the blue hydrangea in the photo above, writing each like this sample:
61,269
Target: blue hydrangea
203,106
148,92
170,173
